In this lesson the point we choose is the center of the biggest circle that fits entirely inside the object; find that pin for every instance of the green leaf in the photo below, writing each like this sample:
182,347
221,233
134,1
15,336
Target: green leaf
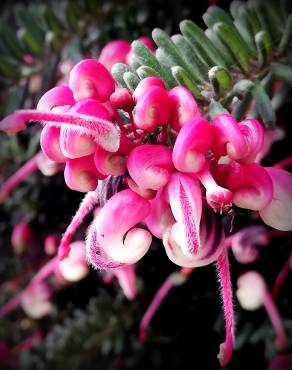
201,44
183,79
286,36
235,44
118,71
199,69
144,72
148,59
32,43
264,47
9,67
131,80
171,52
283,73
263,105
214,15
215,108
220,80
52,21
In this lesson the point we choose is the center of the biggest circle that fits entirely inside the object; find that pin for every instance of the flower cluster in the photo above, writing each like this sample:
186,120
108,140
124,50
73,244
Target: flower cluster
155,166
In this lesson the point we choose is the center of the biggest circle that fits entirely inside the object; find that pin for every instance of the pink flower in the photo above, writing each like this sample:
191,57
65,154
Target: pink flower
115,51
21,238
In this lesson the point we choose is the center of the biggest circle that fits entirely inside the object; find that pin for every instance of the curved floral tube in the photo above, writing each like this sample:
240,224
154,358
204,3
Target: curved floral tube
20,175
152,109
50,144
219,198
192,143
21,237
145,84
253,133
74,145
160,217
211,243
86,206
81,174
122,99
104,132
59,96
89,79
115,51
229,139
115,231
75,267
251,185
246,242
109,163
127,279
253,293
278,213
184,107
150,166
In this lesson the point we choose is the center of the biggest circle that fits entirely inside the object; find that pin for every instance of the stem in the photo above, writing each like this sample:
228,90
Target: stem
11,305
151,310
280,279
281,339
226,348
174,279
19,176
86,206
284,163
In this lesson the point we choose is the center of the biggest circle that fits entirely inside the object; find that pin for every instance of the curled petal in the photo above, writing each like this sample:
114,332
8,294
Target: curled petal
152,109
251,185
75,267
246,242
253,133
80,174
278,213
219,198
192,143
184,107
115,229
251,290
127,279
211,243
229,139
47,166
109,163
145,84
150,166
185,200
74,145
91,80
160,217
50,143
60,96
103,132
115,51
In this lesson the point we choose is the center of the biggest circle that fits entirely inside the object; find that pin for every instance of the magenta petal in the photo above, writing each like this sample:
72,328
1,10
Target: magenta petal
58,96
192,143
91,80
115,51
115,229
184,107
150,166
278,213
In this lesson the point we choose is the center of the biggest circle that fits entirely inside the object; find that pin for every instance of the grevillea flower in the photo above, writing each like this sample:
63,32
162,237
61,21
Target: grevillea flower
251,185
192,143
126,276
153,109
145,84
245,244
150,166
253,293
184,107
121,241
278,212
21,237
36,300
89,79
113,52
